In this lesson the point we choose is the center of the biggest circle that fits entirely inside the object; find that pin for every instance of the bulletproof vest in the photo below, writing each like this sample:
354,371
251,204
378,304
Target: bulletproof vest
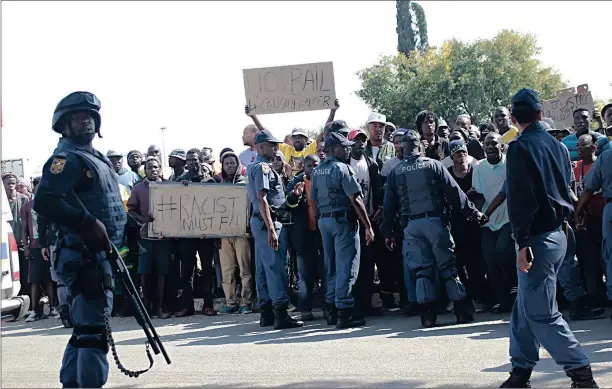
103,200
417,184
330,194
276,194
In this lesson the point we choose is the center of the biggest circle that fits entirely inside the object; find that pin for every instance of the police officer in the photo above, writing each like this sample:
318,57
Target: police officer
334,189
420,187
600,178
79,191
267,196
538,196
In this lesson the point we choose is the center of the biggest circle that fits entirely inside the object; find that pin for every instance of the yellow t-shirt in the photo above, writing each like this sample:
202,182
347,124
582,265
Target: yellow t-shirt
125,196
296,158
510,135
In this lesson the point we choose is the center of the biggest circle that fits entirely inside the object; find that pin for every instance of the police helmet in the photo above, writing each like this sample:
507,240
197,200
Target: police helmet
77,101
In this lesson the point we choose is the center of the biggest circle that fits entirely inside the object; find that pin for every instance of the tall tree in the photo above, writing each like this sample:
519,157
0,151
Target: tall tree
457,78
411,27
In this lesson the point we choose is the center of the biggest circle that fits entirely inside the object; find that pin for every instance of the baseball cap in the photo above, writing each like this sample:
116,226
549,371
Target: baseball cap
134,152
265,136
338,125
357,131
335,138
442,123
412,136
113,153
179,153
457,145
399,132
280,155
299,131
529,97
376,117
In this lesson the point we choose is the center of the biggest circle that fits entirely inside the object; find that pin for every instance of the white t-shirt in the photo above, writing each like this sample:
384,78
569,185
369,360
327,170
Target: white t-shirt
488,180
247,157
362,174
375,151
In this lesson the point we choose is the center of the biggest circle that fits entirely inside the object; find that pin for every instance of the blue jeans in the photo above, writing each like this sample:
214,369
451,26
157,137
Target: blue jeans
535,317
569,271
310,264
341,249
429,246
270,274
81,366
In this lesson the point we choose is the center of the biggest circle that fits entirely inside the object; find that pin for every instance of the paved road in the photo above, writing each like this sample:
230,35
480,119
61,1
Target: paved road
233,351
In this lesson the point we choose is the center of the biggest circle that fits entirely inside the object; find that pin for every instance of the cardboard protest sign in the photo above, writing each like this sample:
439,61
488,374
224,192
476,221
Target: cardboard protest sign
561,108
198,210
293,88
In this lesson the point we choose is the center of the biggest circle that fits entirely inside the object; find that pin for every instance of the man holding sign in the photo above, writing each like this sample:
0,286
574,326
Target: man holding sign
295,154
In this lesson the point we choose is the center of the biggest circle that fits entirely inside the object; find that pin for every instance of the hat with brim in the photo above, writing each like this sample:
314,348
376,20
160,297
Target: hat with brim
456,146
266,136
377,118
299,132
356,132
335,139
179,154
113,154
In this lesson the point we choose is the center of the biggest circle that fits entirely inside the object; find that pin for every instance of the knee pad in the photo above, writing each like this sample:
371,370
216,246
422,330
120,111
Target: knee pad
90,337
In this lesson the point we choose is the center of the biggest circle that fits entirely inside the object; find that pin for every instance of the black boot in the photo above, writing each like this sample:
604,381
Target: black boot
347,318
463,311
332,314
267,316
519,378
410,309
282,320
428,315
582,378
65,316
580,310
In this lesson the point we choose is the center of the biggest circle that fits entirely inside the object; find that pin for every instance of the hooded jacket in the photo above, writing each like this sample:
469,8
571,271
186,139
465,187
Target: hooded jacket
239,178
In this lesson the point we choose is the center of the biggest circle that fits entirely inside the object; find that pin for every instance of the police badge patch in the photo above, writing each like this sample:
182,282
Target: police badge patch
57,165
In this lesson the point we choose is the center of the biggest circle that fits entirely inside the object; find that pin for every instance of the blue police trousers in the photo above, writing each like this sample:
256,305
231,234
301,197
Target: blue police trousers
409,279
569,271
341,251
535,317
84,367
430,246
270,273
606,246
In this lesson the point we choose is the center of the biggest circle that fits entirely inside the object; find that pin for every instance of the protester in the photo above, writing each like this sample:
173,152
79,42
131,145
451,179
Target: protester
134,161
234,251
501,117
582,123
16,202
435,146
389,130
126,177
177,161
378,148
155,255
39,275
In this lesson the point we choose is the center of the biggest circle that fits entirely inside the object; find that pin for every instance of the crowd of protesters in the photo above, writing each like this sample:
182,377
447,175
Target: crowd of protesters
171,273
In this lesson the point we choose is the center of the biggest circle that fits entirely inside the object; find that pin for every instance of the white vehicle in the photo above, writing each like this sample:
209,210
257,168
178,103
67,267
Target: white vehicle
14,307
14,166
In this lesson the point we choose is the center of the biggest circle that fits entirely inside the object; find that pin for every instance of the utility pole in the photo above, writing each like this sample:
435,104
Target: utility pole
164,159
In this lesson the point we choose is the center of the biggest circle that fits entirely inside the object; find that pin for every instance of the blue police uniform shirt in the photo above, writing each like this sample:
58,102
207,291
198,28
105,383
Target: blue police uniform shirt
263,177
600,175
332,183
538,179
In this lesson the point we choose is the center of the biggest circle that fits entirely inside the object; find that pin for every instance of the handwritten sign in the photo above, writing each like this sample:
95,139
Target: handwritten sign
292,88
198,210
561,109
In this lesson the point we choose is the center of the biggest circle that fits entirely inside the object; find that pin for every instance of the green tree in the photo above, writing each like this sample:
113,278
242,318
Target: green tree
411,27
457,78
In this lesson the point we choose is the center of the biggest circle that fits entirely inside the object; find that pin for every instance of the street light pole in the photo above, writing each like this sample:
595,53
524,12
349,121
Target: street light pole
163,146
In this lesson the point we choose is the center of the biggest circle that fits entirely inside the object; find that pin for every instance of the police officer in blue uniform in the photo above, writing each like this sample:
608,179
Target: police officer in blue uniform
538,177
420,187
267,196
334,189
600,178
79,192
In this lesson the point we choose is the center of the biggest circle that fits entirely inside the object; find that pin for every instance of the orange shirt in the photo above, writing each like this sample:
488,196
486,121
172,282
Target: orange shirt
312,209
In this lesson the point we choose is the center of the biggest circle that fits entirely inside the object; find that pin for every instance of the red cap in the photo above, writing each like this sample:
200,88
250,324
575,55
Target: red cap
354,132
